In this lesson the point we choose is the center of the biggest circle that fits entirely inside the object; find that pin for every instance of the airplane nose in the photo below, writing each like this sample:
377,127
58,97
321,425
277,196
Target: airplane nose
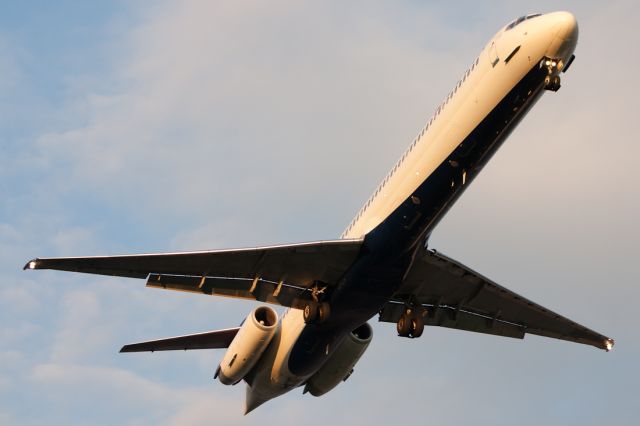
566,25
563,31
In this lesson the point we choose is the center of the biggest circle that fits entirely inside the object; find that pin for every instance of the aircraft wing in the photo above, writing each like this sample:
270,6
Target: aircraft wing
457,297
209,340
280,274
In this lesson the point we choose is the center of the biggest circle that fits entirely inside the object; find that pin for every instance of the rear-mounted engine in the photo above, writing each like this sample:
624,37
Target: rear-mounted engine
246,348
340,365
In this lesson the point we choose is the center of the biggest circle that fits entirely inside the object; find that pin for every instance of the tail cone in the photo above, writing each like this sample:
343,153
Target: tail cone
252,401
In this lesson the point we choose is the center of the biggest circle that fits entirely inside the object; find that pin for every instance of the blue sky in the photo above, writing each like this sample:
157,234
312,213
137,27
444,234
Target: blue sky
155,126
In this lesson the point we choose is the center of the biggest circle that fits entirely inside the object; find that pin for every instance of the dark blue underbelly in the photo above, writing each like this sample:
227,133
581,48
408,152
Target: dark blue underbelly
387,250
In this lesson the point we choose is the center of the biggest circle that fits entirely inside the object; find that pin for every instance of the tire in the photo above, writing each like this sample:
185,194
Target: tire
404,326
310,313
324,311
417,326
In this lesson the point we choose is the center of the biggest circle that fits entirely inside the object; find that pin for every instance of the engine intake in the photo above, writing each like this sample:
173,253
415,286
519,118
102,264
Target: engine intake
246,348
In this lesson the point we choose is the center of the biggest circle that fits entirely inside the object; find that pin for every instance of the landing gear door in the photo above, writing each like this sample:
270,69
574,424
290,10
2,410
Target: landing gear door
493,54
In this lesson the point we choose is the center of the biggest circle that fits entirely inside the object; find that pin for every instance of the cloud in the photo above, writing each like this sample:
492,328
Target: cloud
18,299
226,109
6,417
9,68
119,393
82,331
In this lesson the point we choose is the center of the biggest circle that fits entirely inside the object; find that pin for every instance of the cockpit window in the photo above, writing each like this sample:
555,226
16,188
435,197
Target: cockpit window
521,19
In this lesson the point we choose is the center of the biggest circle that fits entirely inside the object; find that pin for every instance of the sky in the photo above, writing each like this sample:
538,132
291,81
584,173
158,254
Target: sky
160,126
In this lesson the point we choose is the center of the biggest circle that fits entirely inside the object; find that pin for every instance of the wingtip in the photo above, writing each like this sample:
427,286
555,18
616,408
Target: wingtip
608,344
32,264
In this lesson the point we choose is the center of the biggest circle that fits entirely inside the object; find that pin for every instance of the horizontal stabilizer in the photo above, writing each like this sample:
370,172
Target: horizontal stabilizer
209,340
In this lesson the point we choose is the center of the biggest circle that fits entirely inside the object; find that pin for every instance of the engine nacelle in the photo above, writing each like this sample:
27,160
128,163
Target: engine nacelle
248,345
340,365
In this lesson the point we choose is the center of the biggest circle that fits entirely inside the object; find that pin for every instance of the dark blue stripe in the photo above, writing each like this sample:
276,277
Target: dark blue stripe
388,248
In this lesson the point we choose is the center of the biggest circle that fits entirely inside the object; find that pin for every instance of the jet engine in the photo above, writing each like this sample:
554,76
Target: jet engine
340,365
248,345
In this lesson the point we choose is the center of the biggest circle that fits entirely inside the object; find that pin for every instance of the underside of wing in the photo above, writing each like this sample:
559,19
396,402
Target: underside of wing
457,297
209,340
276,274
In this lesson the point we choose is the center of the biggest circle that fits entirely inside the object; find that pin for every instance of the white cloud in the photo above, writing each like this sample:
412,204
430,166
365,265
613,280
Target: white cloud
18,299
233,108
6,417
73,239
122,395
18,331
82,331
113,388
9,68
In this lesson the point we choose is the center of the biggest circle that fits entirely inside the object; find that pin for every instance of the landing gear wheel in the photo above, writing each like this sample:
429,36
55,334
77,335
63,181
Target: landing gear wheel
404,326
552,83
417,326
310,312
324,311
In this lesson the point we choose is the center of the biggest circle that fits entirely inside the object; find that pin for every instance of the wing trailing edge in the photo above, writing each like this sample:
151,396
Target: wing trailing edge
280,274
458,297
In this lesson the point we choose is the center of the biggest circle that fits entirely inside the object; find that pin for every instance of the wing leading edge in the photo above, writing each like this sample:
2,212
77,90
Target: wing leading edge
280,274
458,297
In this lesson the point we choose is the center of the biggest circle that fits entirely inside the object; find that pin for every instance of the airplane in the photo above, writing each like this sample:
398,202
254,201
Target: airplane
381,264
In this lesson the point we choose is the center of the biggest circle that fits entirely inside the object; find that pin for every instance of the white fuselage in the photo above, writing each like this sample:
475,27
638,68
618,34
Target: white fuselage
482,87
479,90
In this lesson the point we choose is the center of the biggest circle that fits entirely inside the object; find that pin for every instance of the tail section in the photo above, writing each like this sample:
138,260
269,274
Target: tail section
253,400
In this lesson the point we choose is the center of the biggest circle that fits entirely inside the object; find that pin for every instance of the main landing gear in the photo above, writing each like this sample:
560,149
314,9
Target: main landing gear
411,322
316,311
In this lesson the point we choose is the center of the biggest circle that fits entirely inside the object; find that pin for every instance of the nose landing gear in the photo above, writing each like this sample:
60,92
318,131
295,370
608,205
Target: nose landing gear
553,66
552,83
